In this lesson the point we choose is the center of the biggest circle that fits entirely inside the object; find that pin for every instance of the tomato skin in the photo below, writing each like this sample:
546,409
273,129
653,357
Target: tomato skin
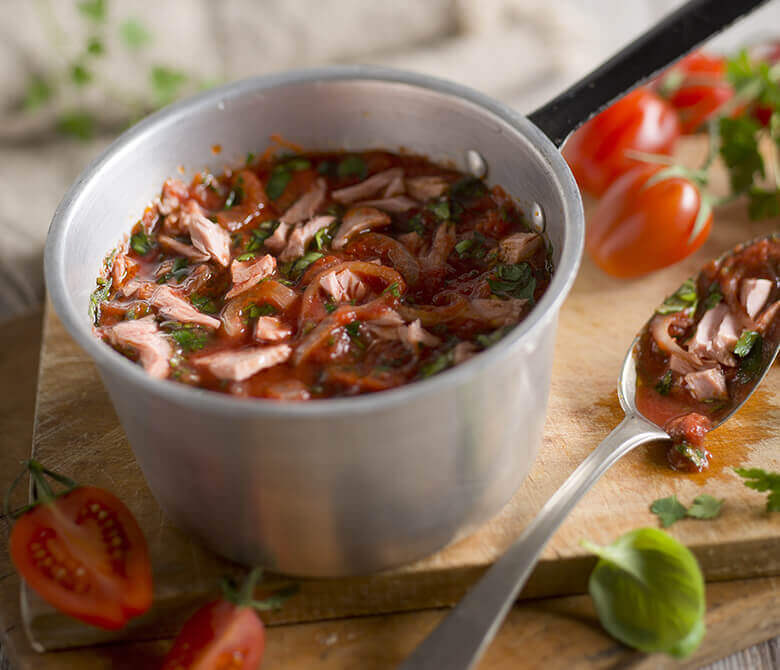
216,635
703,91
85,555
640,121
636,230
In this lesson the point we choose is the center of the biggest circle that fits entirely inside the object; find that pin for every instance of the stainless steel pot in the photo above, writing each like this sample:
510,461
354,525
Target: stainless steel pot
341,486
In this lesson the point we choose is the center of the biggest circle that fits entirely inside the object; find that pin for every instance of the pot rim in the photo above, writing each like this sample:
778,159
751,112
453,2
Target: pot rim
210,401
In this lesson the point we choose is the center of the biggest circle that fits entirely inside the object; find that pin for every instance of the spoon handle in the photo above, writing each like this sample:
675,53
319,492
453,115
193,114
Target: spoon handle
664,43
460,639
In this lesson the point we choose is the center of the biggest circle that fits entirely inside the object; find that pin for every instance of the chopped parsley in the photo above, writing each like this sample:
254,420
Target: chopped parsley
353,329
324,236
486,340
664,384
250,158
745,343
188,336
761,480
463,247
684,298
440,209
513,281
416,224
261,234
393,289
255,310
248,256
668,510
141,243
98,296
277,183
438,364
751,364
468,188
352,166
472,246
299,266
178,271
203,303
695,455
235,197
330,306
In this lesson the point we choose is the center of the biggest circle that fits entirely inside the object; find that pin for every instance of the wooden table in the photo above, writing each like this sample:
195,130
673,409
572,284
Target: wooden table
553,633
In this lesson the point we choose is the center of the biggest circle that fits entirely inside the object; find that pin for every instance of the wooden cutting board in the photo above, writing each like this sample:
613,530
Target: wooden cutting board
77,433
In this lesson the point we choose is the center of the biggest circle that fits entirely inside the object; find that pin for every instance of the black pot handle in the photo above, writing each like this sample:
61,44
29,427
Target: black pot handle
666,42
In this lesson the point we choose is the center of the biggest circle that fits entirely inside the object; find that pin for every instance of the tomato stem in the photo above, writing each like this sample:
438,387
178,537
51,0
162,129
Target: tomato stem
244,597
42,493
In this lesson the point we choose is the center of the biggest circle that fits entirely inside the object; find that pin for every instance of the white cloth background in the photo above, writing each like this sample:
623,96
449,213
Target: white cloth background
520,51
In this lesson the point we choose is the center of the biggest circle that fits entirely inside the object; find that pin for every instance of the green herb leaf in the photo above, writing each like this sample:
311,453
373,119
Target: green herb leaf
134,34
277,182
684,298
669,510
189,337
745,343
248,256
235,197
77,123
463,247
513,281
95,10
713,297
37,93
393,289
695,455
761,480
486,340
166,83
705,507
80,75
95,46
203,303
296,164
298,267
141,243
254,310
261,234
352,166
649,593
99,295
353,329
324,236
330,306
438,364
763,204
664,384
751,365
739,150
468,188
440,209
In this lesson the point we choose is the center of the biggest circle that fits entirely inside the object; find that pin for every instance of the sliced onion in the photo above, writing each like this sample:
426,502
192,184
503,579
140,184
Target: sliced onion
659,329
390,249
431,315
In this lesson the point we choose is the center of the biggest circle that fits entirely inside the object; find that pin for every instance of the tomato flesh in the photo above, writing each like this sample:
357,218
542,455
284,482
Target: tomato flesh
219,636
85,555
640,121
636,229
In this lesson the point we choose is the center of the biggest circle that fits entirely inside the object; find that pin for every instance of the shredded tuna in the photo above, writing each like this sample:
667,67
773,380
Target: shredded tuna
182,249
715,336
356,220
441,247
519,247
278,240
414,334
307,205
207,236
242,364
172,305
246,274
396,205
659,329
271,329
367,188
767,317
343,285
425,188
302,235
753,294
135,288
143,335
395,187
122,269
709,384
174,193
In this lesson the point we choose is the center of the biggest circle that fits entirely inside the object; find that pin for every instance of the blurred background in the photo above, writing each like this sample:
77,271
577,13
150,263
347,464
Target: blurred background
75,73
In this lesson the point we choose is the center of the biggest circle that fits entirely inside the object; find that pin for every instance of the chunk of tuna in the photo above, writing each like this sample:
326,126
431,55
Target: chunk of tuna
396,205
768,316
271,329
302,235
725,339
122,269
278,240
519,247
143,335
136,288
246,274
395,187
425,188
368,187
174,193
753,294
343,285
415,335
680,365
715,336
242,364
307,205
356,220
441,247
709,384
171,244
172,305
498,312
206,236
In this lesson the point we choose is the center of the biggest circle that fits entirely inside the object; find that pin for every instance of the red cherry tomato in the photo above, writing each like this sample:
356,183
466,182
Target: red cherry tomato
700,90
226,633
83,553
640,121
637,229
219,635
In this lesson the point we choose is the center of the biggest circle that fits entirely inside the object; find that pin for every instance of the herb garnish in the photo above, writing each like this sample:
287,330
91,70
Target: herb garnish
203,303
745,343
695,455
280,177
751,364
648,591
393,289
684,298
352,166
438,364
189,337
98,296
324,236
178,271
440,209
235,197
248,256
298,267
761,480
141,243
514,281
664,384
254,310
261,234
486,340
468,188
713,297
670,510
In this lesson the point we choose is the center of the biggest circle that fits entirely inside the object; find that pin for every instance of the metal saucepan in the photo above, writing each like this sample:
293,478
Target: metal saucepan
343,486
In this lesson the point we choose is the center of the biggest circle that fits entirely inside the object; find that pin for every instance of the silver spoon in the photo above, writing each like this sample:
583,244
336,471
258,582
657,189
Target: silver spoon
462,637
